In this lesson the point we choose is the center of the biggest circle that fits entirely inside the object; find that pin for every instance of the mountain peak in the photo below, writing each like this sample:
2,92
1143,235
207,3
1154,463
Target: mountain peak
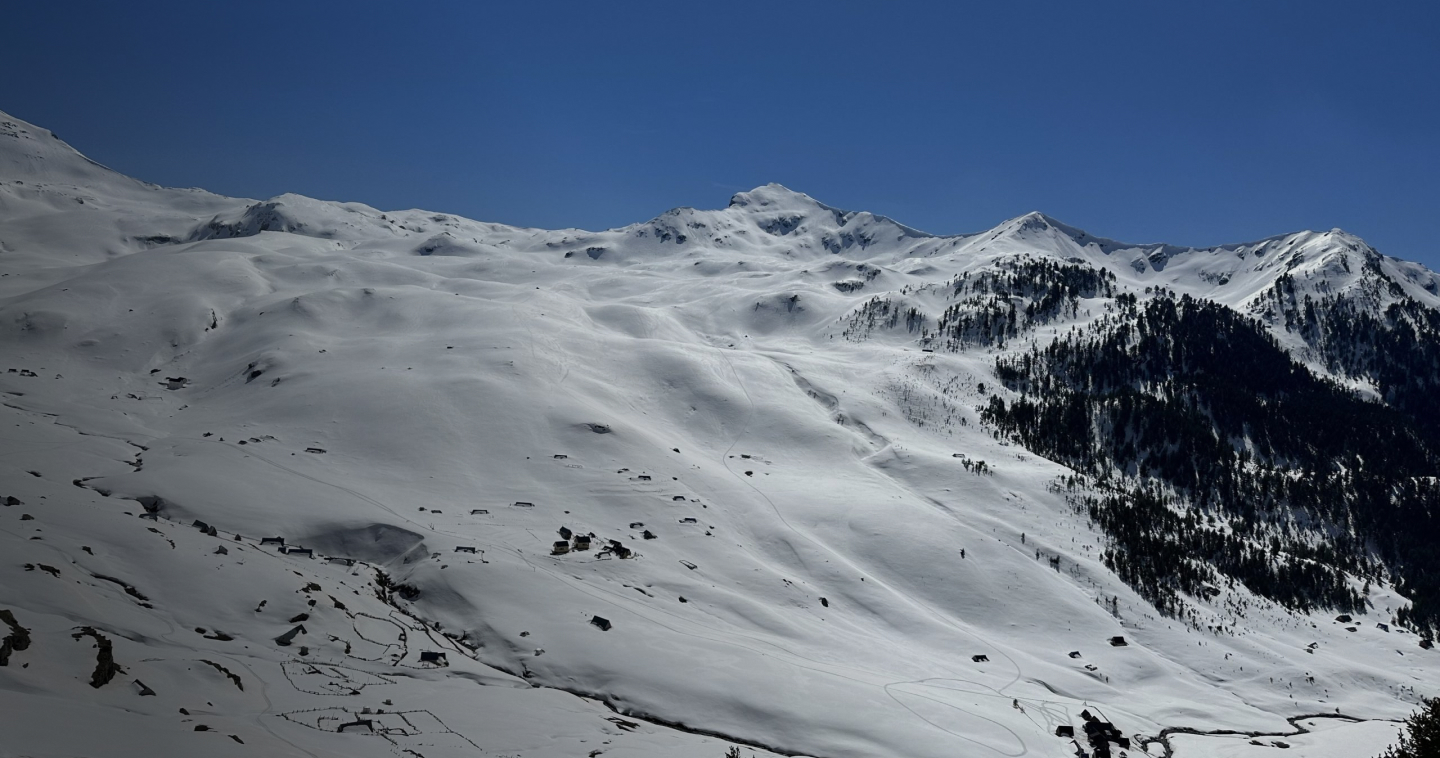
1033,225
774,196
1034,216
1035,221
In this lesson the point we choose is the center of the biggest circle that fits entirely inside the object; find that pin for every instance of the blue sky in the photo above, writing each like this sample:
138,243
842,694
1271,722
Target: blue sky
1193,123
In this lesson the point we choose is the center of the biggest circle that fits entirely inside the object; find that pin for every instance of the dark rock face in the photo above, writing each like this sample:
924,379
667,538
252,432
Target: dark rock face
105,666
18,639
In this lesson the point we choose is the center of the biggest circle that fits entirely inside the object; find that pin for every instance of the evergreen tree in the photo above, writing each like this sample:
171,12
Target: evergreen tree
1422,733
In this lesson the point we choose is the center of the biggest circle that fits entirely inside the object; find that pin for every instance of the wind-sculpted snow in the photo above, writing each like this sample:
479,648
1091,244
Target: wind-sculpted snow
653,491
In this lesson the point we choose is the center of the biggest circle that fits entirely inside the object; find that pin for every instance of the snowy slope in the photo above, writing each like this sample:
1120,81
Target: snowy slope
390,387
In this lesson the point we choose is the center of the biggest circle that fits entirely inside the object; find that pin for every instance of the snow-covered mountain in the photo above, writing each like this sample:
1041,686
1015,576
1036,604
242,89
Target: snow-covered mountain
849,489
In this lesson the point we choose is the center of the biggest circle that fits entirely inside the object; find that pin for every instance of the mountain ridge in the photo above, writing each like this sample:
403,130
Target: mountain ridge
769,199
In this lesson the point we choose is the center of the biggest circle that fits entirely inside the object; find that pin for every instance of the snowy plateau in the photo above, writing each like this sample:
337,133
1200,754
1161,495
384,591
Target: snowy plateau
306,478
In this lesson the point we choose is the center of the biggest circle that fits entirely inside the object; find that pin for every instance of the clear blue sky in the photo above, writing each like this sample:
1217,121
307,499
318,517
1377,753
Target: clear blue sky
1194,123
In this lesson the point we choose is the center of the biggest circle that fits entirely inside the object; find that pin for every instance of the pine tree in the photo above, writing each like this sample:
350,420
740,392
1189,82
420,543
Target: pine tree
1422,733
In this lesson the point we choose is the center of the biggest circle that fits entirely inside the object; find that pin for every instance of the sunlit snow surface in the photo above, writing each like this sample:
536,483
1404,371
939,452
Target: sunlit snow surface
362,382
